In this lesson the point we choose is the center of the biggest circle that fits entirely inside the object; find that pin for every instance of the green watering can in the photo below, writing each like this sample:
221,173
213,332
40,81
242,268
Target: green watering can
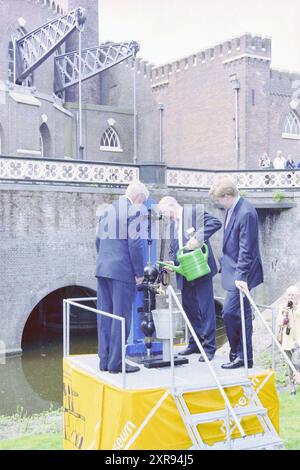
192,264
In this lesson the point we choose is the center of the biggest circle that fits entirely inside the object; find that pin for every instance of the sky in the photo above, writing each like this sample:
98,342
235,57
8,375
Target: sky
168,30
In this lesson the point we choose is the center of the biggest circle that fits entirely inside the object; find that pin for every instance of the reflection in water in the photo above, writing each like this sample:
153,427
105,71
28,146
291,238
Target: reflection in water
46,360
34,382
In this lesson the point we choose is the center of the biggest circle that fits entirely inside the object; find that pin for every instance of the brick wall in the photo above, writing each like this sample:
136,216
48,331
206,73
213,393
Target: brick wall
47,241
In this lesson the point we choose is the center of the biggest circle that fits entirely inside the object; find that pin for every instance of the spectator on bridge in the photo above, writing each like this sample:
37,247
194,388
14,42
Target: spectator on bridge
198,295
241,267
290,164
279,162
119,268
288,324
265,161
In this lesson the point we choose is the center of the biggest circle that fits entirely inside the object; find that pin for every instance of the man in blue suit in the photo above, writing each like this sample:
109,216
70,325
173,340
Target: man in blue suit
197,296
241,266
119,268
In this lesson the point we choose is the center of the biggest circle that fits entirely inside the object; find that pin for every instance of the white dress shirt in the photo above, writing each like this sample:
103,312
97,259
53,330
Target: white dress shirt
178,228
230,211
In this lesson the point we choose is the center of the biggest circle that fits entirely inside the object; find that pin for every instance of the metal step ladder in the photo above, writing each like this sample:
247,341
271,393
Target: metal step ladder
231,416
267,439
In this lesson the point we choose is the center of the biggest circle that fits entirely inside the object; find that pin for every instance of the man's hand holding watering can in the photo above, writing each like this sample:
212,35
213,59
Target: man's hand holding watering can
167,268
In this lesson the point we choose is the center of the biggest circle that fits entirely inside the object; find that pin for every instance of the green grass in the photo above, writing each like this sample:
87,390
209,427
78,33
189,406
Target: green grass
290,419
289,429
289,404
48,442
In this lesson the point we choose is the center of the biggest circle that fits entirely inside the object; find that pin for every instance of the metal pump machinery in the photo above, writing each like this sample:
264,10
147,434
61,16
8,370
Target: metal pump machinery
154,281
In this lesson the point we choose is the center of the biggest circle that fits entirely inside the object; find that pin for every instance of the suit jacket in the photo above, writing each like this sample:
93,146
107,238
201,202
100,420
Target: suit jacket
119,255
206,225
241,260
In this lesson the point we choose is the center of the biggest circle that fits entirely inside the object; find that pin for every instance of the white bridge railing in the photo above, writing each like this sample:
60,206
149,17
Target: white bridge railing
246,179
66,171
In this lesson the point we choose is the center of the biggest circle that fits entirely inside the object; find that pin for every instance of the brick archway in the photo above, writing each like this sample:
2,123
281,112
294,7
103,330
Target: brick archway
41,293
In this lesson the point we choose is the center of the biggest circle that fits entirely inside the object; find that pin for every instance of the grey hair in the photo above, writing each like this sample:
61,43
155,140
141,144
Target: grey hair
224,187
137,188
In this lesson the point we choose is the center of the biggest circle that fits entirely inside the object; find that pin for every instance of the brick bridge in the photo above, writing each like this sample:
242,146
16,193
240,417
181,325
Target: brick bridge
48,217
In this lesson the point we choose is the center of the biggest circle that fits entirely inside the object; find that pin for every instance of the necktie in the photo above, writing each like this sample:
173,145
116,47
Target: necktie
178,231
229,213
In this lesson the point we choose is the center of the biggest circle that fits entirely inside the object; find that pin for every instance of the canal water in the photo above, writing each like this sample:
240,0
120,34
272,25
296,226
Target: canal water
33,383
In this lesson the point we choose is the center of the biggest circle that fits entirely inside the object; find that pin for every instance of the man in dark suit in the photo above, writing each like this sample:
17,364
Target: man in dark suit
119,268
241,266
197,296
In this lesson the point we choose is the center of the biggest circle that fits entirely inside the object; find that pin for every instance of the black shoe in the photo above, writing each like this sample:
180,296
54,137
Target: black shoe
238,362
128,369
210,357
189,350
232,356
102,368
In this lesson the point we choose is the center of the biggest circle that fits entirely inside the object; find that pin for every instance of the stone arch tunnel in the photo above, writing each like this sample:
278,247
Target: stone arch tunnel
46,319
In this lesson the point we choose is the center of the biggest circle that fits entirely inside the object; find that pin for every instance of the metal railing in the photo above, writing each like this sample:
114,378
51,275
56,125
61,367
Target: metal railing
66,327
67,303
271,333
229,408
265,307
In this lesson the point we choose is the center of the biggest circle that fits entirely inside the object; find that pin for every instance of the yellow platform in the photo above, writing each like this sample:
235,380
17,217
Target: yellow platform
100,414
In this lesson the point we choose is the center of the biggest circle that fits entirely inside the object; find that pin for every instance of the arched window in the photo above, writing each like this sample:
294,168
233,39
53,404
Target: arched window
11,61
110,141
41,145
291,126
45,141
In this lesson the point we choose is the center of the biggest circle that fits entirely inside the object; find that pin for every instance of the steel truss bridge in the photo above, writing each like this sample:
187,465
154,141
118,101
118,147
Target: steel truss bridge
33,49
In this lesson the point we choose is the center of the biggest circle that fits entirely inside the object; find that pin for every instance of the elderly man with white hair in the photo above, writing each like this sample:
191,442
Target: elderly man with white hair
288,324
119,268
198,295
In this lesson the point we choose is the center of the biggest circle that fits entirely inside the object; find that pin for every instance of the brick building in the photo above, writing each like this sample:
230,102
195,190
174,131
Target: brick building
221,106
